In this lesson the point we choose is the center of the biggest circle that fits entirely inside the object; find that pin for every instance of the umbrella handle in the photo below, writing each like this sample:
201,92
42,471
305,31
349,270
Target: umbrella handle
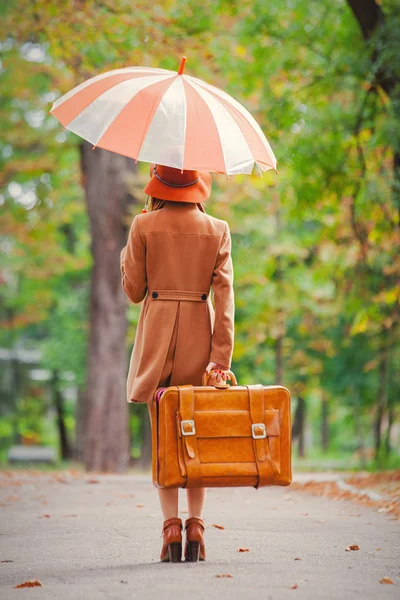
231,376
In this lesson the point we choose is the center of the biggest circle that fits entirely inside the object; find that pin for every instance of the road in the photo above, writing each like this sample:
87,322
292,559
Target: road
98,537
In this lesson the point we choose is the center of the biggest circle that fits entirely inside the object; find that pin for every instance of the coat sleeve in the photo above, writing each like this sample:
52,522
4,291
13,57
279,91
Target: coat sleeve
222,284
133,265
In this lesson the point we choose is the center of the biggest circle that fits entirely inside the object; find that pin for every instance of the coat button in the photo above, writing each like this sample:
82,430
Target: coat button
155,295
204,297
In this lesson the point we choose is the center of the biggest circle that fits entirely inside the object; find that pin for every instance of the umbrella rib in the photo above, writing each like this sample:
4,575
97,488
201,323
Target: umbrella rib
231,107
150,117
267,147
123,107
110,87
227,100
108,74
218,100
194,97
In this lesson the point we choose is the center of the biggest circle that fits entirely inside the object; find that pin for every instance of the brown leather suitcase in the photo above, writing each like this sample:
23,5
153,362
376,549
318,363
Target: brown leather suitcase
206,436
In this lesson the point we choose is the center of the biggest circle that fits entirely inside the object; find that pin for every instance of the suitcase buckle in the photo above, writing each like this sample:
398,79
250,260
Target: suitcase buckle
258,436
188,422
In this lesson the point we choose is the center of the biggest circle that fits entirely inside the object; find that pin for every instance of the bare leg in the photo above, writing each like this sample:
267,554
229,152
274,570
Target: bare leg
196,498
169,502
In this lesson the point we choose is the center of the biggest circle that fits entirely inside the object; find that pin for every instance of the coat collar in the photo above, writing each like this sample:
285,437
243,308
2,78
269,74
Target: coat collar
180,206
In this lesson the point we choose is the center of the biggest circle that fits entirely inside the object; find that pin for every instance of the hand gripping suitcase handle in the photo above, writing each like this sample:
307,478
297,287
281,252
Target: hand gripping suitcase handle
222,385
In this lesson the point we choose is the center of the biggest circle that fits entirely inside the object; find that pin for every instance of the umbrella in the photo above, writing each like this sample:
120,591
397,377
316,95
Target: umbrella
167,118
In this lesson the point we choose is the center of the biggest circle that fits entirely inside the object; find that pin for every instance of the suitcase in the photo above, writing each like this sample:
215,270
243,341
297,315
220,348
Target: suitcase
230,435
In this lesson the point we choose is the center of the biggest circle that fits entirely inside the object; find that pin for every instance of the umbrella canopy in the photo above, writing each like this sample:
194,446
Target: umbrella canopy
167,118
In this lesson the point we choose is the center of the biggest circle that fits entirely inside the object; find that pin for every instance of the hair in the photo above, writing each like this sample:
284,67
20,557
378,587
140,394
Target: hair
157,204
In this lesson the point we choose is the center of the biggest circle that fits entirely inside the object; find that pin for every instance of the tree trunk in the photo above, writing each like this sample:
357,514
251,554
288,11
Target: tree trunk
371,18
390,414
390,405
81,425
359,429
279,360
324,423
381,399
368,14
65,448
298,429
107,443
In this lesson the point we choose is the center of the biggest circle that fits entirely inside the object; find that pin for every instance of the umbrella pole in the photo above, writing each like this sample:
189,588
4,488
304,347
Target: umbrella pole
182,65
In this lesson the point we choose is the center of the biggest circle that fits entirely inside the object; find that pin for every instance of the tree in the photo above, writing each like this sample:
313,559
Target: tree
382,41
107,199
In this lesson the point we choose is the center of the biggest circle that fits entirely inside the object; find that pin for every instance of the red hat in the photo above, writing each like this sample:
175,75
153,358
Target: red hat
167,183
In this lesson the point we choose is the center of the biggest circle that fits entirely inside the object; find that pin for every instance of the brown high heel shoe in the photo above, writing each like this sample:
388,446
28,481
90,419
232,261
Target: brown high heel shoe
172,544
194,548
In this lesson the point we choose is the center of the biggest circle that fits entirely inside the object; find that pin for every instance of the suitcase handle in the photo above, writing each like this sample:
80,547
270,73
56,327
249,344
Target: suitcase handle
222,385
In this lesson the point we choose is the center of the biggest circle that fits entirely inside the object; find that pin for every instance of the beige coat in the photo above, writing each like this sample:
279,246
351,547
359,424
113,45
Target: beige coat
172,257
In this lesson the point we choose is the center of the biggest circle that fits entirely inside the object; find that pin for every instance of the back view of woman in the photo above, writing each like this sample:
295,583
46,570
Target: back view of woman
175,255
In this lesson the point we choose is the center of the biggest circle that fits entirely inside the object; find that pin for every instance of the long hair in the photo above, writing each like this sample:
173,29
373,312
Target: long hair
157,204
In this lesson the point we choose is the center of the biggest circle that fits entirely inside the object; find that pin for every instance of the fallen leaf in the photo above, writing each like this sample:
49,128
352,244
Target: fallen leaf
12,498
352,547
45,516
224,575
378,549
294,586
92,481
297,558
217,526
122,581
387,483
386,580
34,583
139,505
243,549
126,495
60,479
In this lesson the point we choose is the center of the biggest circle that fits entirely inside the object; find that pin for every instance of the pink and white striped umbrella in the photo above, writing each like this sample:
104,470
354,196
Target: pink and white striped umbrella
167,118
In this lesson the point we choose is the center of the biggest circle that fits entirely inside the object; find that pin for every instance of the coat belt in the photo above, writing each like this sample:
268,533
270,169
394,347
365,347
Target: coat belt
178,295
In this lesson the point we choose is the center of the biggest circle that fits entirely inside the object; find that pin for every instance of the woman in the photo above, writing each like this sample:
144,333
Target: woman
175,253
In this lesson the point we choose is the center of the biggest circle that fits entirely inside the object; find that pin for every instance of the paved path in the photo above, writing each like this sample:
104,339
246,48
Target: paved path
101,540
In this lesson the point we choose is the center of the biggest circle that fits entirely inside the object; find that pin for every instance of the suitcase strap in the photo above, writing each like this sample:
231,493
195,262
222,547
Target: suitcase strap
262,454
188,434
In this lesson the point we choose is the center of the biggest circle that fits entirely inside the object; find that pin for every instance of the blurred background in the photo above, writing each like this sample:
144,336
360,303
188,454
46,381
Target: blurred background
315,248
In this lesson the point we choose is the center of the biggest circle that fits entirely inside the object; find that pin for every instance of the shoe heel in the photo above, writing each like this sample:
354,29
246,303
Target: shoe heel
175,552
193,551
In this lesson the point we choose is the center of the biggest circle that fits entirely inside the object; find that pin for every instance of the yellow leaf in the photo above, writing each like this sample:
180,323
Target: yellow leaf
240,51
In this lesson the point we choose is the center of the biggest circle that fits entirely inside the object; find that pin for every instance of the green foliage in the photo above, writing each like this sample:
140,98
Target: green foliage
315,249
